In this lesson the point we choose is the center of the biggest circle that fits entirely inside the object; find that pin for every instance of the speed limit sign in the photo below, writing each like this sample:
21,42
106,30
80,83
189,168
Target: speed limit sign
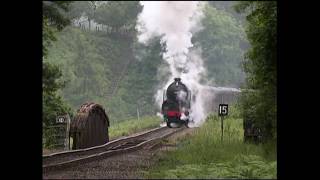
223,109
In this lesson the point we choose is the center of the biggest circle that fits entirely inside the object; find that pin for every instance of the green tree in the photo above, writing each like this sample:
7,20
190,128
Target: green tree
53,19
141,82
52,104
220,41
117,14
227,6
86,9
261,64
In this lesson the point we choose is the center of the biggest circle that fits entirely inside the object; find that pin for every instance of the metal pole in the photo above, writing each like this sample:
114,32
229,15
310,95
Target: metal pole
138,113
221,128
222,99
222,120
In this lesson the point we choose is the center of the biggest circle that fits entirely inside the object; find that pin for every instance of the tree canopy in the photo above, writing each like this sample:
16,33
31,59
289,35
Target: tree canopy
221,41
52,104
261,64
118,13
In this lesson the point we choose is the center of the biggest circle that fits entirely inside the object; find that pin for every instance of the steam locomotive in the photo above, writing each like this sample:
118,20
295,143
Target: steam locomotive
176,104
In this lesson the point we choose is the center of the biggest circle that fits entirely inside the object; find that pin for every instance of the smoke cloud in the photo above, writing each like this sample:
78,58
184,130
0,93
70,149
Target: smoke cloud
175,22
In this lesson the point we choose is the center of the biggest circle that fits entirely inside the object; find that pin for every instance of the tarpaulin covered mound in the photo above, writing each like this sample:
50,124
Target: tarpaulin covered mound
89,127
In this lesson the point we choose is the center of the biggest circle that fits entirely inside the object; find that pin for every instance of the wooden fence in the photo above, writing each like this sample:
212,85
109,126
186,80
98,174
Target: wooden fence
57,135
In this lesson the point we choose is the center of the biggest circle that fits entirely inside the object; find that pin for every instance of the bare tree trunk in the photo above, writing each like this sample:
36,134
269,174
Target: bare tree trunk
89,20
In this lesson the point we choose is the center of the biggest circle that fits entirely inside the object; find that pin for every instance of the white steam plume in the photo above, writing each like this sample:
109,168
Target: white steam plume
175,21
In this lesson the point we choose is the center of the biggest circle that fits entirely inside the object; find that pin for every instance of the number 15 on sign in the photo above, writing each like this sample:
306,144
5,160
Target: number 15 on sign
223,109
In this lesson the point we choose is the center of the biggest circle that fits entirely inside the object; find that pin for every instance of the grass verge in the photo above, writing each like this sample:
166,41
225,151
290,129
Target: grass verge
131,126
204,155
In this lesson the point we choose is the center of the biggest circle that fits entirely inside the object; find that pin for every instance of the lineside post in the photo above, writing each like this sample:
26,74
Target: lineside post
221,128
223,111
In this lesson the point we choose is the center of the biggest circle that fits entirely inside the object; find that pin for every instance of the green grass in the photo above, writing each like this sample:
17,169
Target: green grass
203,155
133,126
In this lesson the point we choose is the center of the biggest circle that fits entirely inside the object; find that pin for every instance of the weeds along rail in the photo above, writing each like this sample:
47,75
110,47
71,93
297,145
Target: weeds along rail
62,160
80,152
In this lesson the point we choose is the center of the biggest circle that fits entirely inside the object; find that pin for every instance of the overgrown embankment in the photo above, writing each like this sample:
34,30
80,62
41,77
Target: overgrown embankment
203,155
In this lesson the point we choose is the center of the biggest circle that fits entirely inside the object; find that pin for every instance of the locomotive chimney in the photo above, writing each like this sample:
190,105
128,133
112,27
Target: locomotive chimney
177,79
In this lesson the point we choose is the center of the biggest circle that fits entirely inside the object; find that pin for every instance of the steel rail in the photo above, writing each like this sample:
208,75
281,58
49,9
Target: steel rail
110,149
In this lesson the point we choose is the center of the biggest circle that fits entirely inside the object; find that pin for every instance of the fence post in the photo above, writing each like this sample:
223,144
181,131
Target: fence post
138,113
67,140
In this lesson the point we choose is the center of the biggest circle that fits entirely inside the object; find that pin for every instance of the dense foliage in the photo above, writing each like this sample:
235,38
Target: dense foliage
118,13
52,104
114,70
259,104
223,43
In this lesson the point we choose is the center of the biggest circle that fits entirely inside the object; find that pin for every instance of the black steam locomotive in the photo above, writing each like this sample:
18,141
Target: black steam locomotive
176,104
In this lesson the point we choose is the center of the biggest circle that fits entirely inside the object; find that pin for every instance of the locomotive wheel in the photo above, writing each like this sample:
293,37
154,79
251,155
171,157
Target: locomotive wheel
168,125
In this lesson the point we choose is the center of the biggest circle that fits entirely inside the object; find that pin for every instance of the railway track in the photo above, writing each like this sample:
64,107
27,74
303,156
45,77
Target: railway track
62,160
